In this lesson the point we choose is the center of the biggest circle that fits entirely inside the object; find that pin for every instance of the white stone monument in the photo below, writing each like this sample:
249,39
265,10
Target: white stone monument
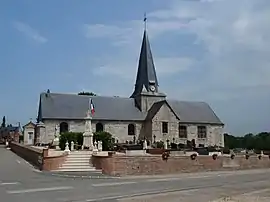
99,145
56,137
88,134
67,148
95,148
165,145
71,146
145,145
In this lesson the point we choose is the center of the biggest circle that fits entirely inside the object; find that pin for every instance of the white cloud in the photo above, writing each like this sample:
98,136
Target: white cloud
29,31
237,40
230,51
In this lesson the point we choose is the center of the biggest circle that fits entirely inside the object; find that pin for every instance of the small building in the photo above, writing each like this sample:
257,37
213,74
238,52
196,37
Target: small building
29,131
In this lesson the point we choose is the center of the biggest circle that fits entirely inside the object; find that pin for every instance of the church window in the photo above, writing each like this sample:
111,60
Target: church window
202,132
63,127
164,127
99,127
131,129
182,131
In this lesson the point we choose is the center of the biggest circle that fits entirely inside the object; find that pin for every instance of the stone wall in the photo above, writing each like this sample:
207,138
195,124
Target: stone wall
214,135
165,114
119,129
153,165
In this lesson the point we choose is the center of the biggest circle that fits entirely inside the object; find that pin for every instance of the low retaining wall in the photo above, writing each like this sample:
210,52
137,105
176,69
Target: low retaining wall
38,157
152,165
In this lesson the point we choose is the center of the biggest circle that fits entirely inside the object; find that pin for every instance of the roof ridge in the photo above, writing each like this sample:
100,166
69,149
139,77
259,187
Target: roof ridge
193,101
92,96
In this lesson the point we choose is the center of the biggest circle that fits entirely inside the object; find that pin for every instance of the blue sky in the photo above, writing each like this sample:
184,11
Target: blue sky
206,50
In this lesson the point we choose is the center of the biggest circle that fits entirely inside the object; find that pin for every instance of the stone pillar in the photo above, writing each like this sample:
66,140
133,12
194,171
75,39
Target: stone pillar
71,146
165,145
67,148
56,136
40,133
88,134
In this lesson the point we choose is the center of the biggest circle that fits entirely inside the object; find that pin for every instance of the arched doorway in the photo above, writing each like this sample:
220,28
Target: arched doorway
99,127
63,127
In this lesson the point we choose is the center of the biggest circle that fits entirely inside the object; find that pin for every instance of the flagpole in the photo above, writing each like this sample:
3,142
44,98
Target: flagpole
90,109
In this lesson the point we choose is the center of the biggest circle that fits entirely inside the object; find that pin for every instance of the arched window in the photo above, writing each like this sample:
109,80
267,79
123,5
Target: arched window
99,127
63,127
131,129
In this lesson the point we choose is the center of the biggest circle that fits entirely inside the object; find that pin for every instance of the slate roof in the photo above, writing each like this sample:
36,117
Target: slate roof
146,73
72,106
156,107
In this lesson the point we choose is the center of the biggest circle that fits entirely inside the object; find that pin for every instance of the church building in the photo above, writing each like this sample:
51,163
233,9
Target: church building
147,113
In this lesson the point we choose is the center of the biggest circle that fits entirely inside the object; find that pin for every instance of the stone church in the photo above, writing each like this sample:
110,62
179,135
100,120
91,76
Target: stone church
147,113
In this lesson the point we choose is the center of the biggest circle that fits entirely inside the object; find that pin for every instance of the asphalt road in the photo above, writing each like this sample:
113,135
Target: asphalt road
19,182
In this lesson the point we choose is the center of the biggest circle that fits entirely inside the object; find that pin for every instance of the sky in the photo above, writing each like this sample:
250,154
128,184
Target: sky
217,51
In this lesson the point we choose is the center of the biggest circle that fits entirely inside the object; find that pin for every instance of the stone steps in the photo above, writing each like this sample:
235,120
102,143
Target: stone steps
89,170
78,161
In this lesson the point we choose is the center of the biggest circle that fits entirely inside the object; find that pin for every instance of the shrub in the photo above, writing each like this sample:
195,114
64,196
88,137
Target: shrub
160,144
106,138
70,136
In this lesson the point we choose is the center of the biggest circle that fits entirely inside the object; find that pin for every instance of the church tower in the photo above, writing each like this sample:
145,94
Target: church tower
146,91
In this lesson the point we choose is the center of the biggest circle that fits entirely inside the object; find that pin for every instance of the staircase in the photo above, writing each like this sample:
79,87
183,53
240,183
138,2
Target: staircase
78,161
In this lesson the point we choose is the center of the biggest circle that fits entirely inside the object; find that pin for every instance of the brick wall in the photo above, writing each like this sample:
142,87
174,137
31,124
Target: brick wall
32,155
152,165
38,157
53,162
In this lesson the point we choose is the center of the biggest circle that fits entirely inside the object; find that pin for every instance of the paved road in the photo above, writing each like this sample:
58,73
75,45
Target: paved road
19,182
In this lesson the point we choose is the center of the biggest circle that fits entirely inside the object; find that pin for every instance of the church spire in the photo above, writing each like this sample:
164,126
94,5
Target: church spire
146,75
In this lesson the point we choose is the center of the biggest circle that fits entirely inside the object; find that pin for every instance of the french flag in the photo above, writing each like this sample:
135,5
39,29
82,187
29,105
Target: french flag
92,106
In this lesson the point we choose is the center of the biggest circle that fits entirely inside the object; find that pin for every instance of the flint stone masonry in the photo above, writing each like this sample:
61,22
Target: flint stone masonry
119,130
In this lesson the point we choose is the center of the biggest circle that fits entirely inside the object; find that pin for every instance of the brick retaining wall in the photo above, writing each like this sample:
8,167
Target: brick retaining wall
152,165
32,155
38,157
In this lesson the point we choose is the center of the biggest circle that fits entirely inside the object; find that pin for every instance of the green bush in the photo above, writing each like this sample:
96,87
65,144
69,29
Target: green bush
70,136
160,144
106,138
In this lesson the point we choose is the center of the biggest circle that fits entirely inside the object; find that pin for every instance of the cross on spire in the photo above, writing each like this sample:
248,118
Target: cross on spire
145,19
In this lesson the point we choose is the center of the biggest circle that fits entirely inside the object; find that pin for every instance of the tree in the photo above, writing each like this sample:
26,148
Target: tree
3,125
87,93
258,142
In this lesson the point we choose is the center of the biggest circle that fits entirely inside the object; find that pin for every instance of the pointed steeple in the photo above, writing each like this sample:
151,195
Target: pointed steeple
146,74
